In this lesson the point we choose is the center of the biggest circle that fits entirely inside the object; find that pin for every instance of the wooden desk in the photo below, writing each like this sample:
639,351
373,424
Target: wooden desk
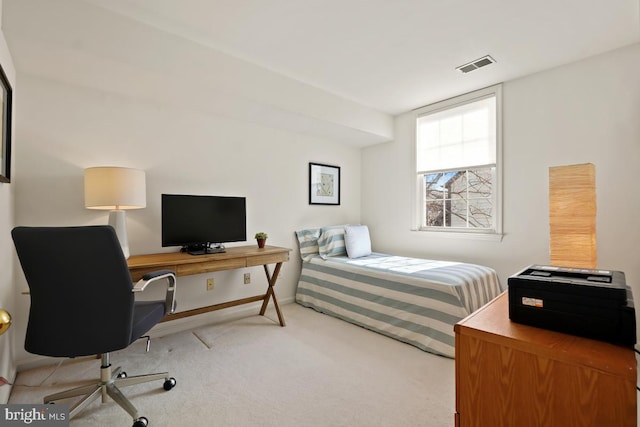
235,257
510,374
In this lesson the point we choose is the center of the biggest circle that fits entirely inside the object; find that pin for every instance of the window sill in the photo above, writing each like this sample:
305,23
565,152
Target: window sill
464,235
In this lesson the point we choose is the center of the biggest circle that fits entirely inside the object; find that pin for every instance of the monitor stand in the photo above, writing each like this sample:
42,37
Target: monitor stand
205,249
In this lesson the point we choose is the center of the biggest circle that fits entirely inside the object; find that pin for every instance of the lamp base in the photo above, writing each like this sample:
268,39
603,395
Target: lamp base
118,220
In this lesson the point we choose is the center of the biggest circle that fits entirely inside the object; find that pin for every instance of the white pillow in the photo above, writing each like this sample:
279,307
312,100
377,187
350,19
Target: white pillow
357,241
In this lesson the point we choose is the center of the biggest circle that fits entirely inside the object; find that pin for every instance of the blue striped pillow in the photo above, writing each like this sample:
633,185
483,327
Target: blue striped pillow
308,241
331,242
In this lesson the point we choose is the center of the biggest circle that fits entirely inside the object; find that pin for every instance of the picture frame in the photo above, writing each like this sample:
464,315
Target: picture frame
6,103
324,184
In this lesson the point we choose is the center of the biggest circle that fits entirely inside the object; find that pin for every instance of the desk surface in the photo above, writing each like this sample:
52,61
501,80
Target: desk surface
160,259
185,264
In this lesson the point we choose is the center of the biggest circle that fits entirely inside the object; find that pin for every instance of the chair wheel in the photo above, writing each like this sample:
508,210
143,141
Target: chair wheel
122,375
141,422
169,384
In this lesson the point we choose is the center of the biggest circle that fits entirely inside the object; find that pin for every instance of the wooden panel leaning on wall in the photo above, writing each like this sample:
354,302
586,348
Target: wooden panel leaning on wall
572,216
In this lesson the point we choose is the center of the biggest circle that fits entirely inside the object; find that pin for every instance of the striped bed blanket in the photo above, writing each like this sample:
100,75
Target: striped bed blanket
413,300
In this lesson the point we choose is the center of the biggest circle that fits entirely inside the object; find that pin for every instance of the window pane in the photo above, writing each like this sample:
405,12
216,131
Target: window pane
434,186
435,214
458,185
481,182
459,199
480,213
458,213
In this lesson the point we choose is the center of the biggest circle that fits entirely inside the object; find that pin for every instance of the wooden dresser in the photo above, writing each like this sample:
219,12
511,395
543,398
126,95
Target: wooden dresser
508,374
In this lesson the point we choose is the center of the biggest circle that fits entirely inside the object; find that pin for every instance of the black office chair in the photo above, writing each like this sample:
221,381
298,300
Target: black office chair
82,303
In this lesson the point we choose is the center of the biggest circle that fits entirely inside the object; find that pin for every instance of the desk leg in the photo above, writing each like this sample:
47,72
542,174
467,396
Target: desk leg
270,293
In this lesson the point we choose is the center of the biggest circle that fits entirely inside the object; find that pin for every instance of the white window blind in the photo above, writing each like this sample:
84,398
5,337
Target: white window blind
458,137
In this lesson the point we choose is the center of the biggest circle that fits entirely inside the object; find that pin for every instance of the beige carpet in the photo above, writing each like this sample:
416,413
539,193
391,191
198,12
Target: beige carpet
316,371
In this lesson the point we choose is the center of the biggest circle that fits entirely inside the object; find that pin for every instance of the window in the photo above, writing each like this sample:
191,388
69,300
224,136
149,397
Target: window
458,145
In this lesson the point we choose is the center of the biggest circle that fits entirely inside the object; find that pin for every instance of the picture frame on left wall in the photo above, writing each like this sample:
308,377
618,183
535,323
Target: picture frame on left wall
6,106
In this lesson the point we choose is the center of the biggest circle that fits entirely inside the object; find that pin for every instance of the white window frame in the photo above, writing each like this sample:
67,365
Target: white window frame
418,205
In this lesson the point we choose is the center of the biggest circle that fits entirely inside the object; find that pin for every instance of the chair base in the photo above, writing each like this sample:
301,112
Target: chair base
108,386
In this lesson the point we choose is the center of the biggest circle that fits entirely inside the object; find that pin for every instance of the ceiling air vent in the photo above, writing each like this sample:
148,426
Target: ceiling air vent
474,65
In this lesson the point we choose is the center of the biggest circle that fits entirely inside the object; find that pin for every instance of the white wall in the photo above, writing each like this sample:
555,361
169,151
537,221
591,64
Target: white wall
63,129
7,290
587,111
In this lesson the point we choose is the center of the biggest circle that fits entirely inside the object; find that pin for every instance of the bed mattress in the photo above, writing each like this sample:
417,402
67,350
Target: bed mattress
416,301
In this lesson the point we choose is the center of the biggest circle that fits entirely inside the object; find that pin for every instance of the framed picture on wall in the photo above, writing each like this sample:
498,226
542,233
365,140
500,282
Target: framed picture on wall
5,127
324,184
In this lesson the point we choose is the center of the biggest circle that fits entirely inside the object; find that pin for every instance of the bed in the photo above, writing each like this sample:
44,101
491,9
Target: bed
413,300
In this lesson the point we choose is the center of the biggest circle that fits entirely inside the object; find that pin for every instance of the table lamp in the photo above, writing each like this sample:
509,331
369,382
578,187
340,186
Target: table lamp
115,189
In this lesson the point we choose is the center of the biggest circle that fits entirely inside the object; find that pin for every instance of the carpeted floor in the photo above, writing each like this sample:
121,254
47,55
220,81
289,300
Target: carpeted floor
316,371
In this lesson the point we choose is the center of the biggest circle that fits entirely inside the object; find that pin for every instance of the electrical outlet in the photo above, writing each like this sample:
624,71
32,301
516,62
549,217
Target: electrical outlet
247,278
210,284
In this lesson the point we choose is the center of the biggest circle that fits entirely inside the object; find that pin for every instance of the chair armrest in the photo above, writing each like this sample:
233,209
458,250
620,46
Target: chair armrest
154,276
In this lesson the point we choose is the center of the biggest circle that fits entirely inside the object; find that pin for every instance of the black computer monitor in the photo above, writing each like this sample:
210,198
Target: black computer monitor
202,224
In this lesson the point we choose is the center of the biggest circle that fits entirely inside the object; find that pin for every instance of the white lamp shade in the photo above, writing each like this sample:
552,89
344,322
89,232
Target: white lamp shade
114,188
